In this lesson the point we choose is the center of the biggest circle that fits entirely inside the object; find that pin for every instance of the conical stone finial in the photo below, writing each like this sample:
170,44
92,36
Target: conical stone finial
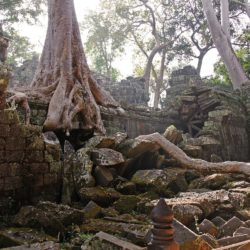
162,232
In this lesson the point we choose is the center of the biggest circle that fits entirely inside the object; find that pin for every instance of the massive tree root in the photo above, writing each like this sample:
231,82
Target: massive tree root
21,99
197,164
63,75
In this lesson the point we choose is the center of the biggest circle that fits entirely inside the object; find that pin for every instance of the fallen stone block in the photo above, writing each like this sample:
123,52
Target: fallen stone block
231,226
232,240
107,241
37,246
207,226
218,221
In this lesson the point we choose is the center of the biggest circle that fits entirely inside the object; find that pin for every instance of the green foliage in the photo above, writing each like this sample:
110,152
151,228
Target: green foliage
138,70
243,54
20,50
16,11
13,11
105,41
85,236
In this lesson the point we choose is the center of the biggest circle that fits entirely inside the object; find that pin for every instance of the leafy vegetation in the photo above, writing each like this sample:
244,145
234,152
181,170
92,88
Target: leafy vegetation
20,50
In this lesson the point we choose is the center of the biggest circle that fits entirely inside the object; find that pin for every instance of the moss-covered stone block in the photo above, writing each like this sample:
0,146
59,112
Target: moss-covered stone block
35,143
20,236
127,203
31,131
9,116
15,143
34,156
55,167
52,152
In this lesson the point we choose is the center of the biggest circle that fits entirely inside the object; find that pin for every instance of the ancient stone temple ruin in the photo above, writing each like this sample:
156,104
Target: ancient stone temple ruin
99,194
130,91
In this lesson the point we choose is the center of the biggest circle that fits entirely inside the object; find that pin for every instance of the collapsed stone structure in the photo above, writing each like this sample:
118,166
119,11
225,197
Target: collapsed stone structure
128,91
22,75
29,166
107,177
216,121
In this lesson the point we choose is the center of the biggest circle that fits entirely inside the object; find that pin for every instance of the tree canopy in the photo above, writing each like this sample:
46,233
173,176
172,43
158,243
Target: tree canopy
105,40
13,11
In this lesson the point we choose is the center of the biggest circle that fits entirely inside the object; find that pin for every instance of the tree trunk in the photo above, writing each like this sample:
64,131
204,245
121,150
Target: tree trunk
63,74
147,71
224,47
245,5
225,17
4,43
197,164
159,80
200,61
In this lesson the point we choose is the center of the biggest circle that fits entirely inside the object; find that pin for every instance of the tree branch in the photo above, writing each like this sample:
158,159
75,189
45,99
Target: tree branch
197,164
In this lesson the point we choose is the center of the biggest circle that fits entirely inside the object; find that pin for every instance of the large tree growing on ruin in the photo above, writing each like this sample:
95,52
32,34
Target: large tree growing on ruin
220,35
64,77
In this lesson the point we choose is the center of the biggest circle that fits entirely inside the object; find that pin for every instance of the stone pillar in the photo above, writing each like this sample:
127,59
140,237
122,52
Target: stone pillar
4,71
163,232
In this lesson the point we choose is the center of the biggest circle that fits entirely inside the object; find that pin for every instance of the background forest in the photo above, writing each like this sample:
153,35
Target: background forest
150,37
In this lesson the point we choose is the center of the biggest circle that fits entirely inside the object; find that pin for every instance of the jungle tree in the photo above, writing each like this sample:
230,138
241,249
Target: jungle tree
11,13
223,44
15,11
156,30
105,39
63,75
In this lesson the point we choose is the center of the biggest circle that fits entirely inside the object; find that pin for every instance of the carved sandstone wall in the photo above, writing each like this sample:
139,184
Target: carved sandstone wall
134,121
30,167
217,121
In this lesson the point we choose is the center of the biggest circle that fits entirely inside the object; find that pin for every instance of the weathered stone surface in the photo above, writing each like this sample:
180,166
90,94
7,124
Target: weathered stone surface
125,187
214,182
242,231
207,226
116,227
165,182
92,210
207,202
86,180
173,135
99,195
36,218
187,213
107,241
106,141
218,221
20,236
227,241
243,214
134,147
189,240
82,171
63,213
106,157
22,75
103,176
53,218
231,226
130,91
100,142
183,235
109,212
237,184
215,158
37,246
192,151
126,203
